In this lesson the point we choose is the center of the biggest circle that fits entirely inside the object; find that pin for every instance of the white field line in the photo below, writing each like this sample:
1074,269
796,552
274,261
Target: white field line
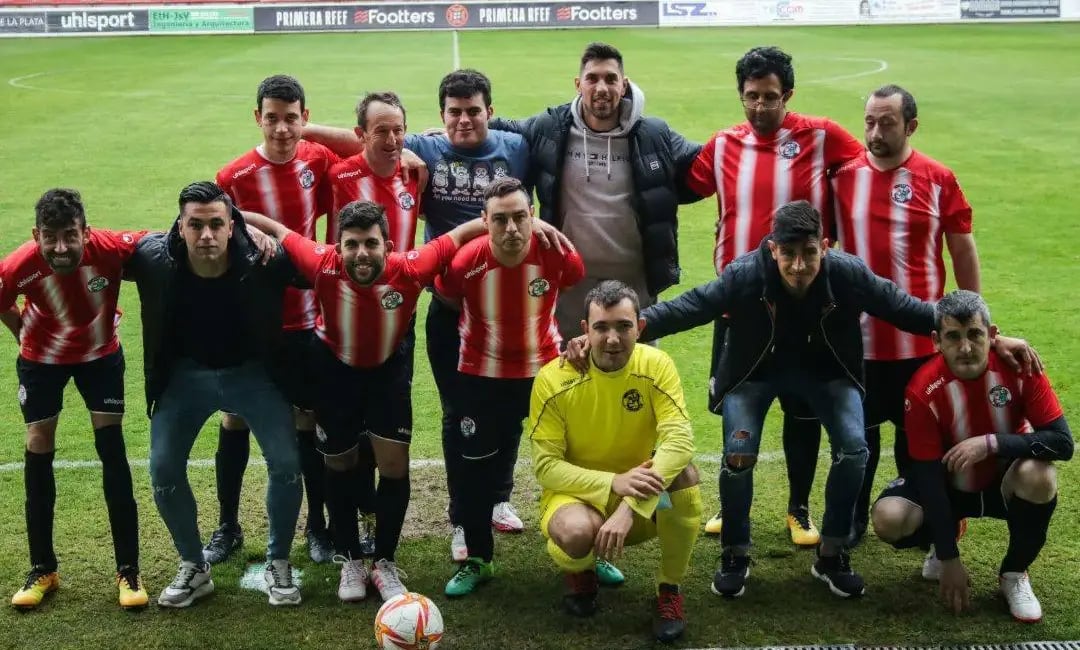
456,51
416,463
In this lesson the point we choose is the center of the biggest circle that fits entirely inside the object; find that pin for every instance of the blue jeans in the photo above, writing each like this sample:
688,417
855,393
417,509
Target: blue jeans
193,394
837,404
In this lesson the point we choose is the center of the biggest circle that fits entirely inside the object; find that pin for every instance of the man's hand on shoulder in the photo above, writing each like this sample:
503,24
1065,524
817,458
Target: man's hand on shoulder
640,482
1018,355
576,354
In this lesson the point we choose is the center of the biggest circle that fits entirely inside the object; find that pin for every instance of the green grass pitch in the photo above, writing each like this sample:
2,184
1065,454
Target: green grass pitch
129,121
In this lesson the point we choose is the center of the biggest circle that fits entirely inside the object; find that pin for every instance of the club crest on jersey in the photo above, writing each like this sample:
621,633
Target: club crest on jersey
790,149
412,255
902,193
391,300
405,200
97,284
539,287
1000,396
127,238
468,427
631,400
320,249
22,395
307,179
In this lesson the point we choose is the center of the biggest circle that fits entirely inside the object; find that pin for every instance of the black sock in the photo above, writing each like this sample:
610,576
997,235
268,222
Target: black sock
862,505
40,485
1028,523
230,463
478,492
802,441
390,504
119,496
311,464
365,478
900,451
340,501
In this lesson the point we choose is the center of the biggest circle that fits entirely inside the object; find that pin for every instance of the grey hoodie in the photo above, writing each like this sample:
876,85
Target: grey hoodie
597,211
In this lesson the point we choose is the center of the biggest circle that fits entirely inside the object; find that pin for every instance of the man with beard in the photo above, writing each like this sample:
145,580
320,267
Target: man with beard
70,275
897,208
776,156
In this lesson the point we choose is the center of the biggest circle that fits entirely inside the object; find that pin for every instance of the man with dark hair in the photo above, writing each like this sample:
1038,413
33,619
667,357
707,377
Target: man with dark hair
793,311
212,324
367,302
982,439
462,162
774,157
375,174
608,177
70,276
897,208
612,450
287,180
506,286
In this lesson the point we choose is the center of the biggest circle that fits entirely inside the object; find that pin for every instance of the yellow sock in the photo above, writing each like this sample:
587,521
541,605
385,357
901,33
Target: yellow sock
567,563
678,528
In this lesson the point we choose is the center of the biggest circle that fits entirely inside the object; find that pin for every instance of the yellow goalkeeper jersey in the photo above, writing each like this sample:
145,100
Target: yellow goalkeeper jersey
586,429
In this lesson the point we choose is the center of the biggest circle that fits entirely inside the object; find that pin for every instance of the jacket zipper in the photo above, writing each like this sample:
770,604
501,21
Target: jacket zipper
772,335
829,310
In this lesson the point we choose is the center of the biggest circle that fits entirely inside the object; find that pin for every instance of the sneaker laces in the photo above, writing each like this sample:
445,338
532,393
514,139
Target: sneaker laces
467,569
731,563
36,573
184,576
505,510
129,575
670,606
218,537
352,571
389,574
1020,590
801,517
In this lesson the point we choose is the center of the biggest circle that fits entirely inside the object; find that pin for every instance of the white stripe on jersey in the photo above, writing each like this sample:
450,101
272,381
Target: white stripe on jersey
61,313
998,415
402,216
961,427
817,178
859,241
718,176
268,193
934,283
899,222
346,317
532,319
386,328
782,173
489,295
744,197
99,335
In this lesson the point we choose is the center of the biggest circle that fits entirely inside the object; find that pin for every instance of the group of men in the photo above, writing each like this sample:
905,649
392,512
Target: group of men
311,342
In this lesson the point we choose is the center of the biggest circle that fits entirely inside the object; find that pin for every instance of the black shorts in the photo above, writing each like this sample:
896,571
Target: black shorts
989,502
291,368
354,402
41,386
492,411
885,385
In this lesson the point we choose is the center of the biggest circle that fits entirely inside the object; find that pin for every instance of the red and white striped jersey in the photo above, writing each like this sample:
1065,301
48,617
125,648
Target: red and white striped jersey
941,411
752,175
295,194
362,325
69,318
507,323
896,222
352,179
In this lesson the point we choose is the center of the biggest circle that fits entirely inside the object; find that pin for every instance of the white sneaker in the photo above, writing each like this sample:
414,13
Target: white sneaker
192,582
505,519
1023,604
279,583
386,577
354,578
931,566
459,552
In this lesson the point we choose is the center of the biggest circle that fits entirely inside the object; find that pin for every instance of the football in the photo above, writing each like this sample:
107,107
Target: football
409,622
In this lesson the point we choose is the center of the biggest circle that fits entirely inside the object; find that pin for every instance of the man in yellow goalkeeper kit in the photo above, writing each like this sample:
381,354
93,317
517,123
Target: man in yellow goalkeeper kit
612,450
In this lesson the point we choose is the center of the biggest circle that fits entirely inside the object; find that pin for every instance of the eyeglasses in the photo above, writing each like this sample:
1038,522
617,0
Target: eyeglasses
765,103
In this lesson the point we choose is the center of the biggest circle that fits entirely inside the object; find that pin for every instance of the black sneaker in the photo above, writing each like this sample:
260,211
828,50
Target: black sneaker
671,621
858,532
730,578
836,572
320,548
581,590
223,543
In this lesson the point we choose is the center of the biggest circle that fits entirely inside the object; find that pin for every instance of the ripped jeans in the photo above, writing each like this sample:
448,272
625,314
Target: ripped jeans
837,404
193,394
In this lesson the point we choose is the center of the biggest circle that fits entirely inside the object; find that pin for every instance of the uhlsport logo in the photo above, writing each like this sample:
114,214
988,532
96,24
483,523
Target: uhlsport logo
790,149
1000,396
99,21
631,400
539,287
97,284
391,300
902,193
